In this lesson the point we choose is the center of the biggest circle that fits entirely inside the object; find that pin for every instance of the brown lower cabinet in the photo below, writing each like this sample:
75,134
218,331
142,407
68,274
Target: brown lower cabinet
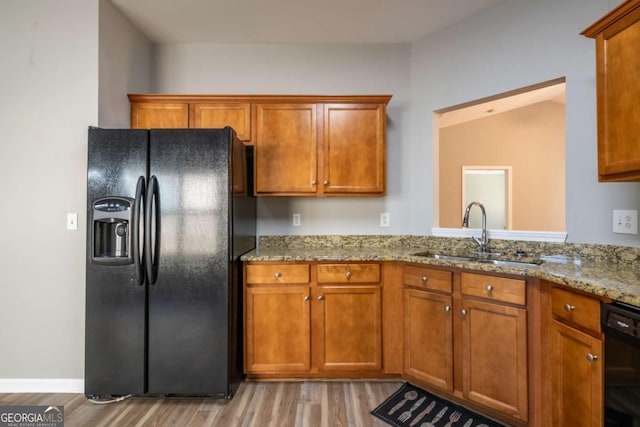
468,326
428,337
576,379
278,331
576,359
494,356
428,326
327,323
521,350
347,328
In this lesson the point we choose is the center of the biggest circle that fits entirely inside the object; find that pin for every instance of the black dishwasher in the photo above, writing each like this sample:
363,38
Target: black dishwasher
621,326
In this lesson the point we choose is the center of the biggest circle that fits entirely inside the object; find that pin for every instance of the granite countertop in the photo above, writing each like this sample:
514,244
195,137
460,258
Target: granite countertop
609,271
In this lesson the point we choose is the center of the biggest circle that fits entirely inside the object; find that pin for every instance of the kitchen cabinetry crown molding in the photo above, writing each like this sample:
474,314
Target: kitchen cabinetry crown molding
356,99
612,17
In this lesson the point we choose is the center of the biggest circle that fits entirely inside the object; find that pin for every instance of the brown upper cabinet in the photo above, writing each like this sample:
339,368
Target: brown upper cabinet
147,115
321,147
193,111
303,145
617,36
286,149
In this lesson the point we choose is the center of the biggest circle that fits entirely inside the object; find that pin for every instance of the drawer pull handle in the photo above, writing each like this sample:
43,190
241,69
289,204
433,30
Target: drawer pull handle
348,274
592,357
569,308
424,279
321,298
463,312
447,308
277,275
307,298
489,288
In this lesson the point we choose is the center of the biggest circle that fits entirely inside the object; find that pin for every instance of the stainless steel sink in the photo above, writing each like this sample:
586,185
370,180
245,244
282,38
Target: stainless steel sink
514,263
491,258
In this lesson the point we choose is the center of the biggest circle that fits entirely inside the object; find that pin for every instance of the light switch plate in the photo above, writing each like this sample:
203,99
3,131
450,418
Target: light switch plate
72,221
625,221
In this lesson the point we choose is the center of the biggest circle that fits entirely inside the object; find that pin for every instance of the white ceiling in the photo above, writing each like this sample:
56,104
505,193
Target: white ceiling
295,21
501,104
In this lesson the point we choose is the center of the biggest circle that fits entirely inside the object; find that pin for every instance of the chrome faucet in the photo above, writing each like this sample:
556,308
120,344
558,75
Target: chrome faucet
483,242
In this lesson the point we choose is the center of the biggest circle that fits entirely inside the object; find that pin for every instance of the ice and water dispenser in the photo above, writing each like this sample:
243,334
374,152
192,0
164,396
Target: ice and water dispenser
112,219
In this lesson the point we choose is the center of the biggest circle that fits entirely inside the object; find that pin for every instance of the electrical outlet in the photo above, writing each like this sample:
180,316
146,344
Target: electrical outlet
385,219
625,222
296,220
72,221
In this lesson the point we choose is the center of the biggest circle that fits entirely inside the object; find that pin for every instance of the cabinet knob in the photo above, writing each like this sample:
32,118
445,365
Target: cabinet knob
314,182
489,288
348,274
424,279
325,182
463,312
447,308
307,298
569,308
277,275
591,357
321,298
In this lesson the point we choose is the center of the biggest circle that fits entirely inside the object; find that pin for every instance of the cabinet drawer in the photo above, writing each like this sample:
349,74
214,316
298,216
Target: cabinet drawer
494,288
348,273
436,280
575,308
277,273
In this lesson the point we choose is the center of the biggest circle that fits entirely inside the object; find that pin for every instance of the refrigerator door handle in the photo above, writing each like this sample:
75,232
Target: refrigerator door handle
152,220
138,212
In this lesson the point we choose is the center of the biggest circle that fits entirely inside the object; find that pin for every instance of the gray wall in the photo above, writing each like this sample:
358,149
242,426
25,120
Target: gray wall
49,95
511,45
308,69
125,66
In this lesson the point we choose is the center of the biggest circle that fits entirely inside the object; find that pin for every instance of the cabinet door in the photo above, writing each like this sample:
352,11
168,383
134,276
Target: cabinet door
494,356
348,329
354,148
617,63
148,115
236,115
277,331
428,339
576,377
285,149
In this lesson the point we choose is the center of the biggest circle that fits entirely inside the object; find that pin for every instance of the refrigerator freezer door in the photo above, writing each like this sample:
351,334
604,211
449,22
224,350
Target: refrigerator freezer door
115,300
189,302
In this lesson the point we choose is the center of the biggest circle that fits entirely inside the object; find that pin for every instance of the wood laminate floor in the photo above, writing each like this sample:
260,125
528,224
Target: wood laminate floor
276,404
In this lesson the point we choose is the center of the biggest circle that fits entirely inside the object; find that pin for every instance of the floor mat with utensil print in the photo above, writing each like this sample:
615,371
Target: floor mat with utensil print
411,406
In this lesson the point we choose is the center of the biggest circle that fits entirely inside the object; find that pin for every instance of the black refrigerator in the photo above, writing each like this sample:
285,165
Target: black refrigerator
169,213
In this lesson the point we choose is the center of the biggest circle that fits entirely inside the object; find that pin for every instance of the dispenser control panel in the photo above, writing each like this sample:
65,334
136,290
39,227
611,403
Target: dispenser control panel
112,205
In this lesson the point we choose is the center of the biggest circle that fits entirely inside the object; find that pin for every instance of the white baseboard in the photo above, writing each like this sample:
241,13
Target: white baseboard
41,385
